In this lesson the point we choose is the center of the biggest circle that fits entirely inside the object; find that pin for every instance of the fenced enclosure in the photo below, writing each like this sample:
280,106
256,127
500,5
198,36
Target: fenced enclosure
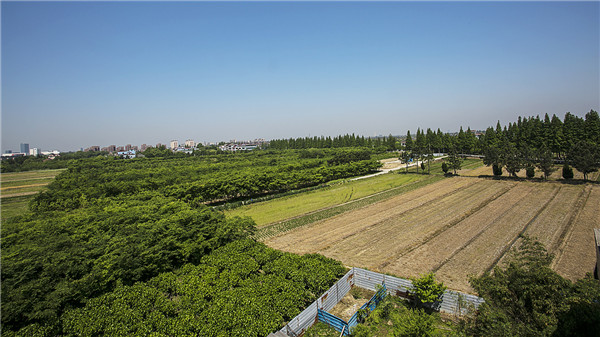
345,327
451,302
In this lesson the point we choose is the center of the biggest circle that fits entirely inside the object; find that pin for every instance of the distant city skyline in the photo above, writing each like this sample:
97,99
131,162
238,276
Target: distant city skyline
79,74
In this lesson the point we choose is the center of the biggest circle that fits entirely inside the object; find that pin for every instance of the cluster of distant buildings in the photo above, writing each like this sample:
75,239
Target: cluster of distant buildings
27,151
130,151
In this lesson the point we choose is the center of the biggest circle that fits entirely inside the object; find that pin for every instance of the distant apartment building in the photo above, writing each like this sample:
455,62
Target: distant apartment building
25,148
94,148
144,147
112,148
159,145
174,144
190,143
127,147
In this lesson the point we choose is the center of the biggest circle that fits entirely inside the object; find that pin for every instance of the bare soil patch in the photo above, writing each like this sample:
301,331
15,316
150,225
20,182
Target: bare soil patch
351,302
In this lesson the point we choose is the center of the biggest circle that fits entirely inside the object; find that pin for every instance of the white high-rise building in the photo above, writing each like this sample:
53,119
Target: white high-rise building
190,143
174,144
34,151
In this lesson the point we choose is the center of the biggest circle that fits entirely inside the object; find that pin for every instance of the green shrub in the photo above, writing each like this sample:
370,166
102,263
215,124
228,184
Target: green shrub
567,172
415,323
530,171
426,290
445,167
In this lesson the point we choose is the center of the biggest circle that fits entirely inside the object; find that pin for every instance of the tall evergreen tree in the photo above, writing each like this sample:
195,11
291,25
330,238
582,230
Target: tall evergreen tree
409,142
512,159
545,162
557,136
439,146
454,160
585,157
592,127
461,141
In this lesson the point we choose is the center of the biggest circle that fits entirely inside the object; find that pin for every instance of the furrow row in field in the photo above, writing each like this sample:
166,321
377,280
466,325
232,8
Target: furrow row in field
440,250
508,247
447,227
549,226
279,228
490,245
397,234
576,255
320,234
406,210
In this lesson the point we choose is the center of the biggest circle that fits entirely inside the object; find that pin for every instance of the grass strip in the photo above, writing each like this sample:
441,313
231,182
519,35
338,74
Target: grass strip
273,211
28,175
28,182
7,192
13,206
286,225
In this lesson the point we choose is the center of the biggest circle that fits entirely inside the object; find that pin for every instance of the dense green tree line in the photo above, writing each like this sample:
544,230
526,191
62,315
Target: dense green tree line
198,179
550,132
335,142
532,142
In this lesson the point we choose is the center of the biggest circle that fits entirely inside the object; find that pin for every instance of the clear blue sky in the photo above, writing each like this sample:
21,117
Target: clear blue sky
101,73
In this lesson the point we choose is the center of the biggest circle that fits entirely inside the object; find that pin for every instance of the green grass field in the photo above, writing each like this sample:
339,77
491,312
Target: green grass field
436,166
17,189
25,182
284,208
14,206
29,175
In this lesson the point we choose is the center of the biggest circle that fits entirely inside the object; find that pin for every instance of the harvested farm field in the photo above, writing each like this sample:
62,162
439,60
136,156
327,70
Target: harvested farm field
458,227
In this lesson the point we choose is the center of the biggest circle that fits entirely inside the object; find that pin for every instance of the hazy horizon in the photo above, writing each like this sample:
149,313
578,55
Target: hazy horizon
77,74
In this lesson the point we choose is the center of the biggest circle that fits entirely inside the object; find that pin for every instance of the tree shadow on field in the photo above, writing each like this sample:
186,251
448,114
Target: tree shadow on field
539,180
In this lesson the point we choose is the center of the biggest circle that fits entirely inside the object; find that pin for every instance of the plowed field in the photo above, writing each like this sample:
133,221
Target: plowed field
458,227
